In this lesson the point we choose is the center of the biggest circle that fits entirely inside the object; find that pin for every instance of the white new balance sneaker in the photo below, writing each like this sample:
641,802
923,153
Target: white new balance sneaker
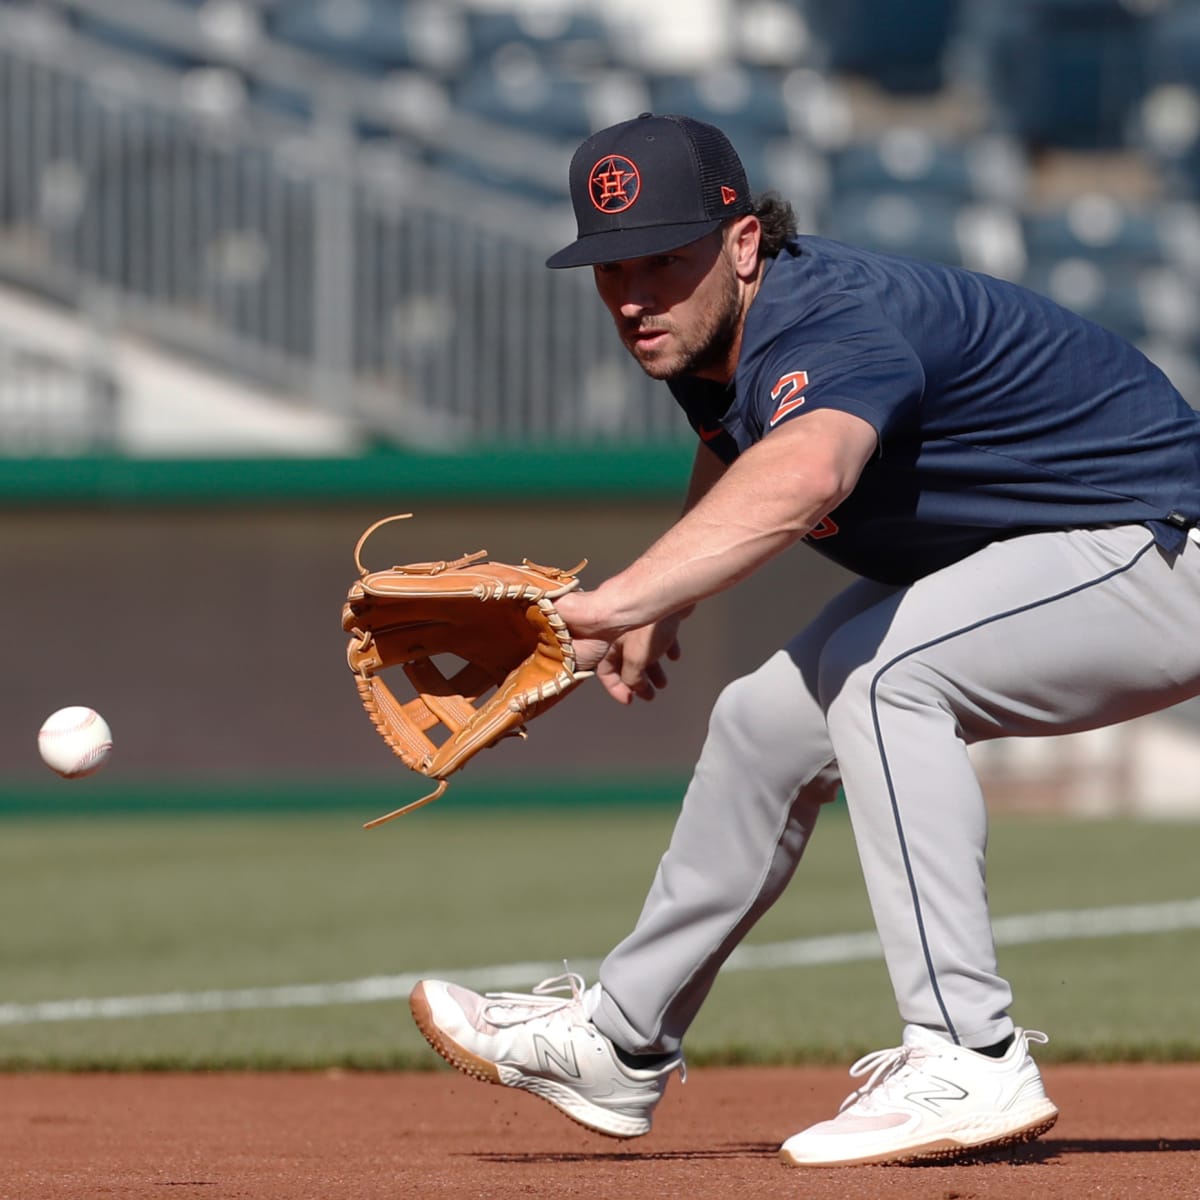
930,1099
545,1043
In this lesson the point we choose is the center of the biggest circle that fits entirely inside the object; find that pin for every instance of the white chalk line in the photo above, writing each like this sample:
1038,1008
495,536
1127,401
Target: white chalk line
1052,926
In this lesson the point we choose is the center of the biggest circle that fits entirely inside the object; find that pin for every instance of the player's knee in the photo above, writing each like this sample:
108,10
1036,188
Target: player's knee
739,711
897,681
766,709
912,682
777,738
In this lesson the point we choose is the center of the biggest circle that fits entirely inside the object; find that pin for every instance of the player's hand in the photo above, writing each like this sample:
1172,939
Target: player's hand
633,667
628,663
590,634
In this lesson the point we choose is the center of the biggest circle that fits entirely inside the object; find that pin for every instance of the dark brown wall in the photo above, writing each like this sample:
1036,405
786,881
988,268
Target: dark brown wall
210,638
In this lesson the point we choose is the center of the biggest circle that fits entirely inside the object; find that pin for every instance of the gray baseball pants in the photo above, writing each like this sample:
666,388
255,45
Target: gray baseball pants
1047,633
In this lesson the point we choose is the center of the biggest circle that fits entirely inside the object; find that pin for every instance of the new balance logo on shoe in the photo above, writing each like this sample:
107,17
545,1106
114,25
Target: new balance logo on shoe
550,1058
933,1097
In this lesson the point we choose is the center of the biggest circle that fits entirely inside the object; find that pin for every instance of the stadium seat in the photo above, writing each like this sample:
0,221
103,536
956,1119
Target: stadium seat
1169,124
1173,52
914,159
558,36
1062,73
513,183
772,33
374,36
1110,298
1097,227
735,97
901,47
1136,271
518,90
923,227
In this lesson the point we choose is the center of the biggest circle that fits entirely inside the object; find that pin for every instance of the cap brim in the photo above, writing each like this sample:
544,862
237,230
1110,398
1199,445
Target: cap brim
613,245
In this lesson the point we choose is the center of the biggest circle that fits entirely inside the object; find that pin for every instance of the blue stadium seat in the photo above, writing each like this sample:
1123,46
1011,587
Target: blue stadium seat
1111,298
913,159
557,36
899,46
924,227
738,99
1096,227
1169,126
1063,73
519,91
374,36
514,183
1127,269
1133,271
1174,44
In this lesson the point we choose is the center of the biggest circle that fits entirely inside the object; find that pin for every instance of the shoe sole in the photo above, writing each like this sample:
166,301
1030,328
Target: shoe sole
472,1065
945,1149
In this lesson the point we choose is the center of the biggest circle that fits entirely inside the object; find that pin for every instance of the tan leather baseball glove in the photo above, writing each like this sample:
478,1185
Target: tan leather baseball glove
498,618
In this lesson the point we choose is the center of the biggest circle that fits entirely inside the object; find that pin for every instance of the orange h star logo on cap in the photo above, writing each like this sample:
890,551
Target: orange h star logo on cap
614,183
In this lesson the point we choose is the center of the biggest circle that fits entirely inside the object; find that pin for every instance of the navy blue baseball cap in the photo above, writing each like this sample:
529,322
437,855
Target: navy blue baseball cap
651,185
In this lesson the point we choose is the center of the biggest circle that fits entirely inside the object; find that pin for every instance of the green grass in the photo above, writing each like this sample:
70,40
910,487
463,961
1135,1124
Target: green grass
139,904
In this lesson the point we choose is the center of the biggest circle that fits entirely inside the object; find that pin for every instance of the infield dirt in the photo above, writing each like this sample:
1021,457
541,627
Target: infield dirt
1125,1131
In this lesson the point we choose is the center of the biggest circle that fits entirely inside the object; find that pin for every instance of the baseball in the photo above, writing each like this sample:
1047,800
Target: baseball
75,741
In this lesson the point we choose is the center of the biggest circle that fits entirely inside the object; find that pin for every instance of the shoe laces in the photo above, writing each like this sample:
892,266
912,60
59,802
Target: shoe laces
880,1066
505,1009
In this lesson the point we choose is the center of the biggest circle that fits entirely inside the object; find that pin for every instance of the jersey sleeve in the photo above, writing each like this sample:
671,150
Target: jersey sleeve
847,357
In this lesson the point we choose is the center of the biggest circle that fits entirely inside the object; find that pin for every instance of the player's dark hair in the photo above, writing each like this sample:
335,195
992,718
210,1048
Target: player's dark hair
778,221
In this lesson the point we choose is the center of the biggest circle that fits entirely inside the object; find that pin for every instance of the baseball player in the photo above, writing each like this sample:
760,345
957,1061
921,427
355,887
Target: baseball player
1018,491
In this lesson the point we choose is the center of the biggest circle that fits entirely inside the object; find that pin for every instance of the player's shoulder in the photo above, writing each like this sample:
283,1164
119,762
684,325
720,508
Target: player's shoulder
816,282
818,296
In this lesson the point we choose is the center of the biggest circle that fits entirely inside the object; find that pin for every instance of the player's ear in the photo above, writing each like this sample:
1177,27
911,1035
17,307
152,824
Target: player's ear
742,236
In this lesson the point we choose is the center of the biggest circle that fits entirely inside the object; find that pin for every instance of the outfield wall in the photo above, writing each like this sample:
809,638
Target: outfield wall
208,631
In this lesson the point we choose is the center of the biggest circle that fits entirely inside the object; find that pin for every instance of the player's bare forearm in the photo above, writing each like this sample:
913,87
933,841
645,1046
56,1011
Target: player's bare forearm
766,501
707,471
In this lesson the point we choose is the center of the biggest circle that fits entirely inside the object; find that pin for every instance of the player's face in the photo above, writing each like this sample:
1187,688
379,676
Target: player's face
677,313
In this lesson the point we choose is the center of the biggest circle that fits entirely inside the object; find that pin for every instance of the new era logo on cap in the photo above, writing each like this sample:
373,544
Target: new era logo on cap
650,185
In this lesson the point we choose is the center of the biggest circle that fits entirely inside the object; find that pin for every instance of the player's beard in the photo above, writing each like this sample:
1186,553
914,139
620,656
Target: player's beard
707,340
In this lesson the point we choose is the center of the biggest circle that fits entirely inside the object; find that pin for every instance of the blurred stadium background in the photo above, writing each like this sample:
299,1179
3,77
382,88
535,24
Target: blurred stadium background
272,268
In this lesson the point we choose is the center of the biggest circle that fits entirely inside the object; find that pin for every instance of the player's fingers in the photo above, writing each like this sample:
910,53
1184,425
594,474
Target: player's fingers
656,675
638,677
618,691
638,681
609,673
674,651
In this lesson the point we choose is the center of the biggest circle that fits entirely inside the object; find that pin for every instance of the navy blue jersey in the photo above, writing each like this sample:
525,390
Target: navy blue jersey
998,412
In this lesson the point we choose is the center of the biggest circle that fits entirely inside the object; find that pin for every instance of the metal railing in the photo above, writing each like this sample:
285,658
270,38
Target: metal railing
347,272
